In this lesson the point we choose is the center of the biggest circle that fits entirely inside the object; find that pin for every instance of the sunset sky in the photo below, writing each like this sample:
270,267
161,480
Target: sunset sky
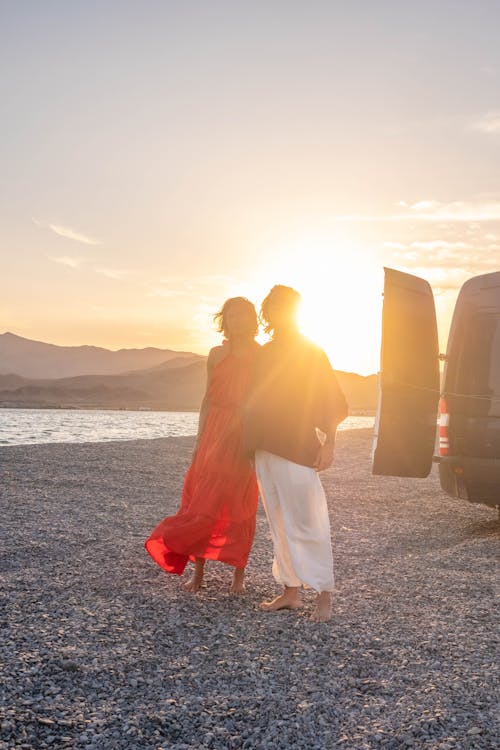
159,157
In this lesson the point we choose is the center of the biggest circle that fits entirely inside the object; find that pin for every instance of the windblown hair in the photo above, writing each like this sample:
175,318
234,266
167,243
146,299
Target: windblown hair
286,298
220,318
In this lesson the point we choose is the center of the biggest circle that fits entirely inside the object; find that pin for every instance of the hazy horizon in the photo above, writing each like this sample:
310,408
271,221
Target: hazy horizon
159,158
129,348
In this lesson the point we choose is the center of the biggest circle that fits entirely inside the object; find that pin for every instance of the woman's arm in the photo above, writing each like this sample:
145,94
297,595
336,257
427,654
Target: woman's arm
333,411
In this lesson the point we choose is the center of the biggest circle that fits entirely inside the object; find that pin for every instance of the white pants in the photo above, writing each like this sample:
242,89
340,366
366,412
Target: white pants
295,505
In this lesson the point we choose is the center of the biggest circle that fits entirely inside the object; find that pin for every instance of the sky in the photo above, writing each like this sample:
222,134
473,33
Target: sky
160,157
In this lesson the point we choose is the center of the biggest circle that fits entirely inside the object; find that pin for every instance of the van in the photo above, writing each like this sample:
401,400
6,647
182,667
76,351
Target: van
467,443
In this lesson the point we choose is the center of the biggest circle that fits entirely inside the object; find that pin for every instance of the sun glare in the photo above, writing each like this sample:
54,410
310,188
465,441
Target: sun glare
341,288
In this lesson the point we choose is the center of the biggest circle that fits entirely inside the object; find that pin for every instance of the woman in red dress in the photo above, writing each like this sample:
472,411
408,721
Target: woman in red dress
216,518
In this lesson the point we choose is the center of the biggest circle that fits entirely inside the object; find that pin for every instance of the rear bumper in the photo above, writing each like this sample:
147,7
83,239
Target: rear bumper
474,479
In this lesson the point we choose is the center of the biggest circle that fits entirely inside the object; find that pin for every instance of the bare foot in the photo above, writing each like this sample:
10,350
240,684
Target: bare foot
194,583
289,599
323,609
237,585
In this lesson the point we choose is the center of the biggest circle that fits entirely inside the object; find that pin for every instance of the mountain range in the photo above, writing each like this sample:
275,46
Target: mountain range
35,374
36,359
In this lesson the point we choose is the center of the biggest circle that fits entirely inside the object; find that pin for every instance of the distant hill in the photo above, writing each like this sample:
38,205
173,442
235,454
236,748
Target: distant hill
172,388
175,385
37,359
360,391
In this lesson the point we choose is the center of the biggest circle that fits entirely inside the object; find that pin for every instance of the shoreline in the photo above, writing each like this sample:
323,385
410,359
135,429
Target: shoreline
176,410
98,408
39,428
56,443
361,430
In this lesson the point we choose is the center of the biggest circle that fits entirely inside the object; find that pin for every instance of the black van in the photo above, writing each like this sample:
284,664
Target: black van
468,445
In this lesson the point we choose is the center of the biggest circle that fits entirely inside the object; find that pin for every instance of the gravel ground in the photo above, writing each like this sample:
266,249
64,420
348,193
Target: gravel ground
104,651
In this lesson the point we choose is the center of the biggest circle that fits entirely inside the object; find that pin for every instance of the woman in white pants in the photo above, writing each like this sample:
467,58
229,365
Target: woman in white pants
293,393
295,505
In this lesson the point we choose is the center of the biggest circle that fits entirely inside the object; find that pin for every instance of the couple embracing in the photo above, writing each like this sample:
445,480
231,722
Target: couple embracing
258,432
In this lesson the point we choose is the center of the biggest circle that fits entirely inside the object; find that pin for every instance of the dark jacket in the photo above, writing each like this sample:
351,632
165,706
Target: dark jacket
293,391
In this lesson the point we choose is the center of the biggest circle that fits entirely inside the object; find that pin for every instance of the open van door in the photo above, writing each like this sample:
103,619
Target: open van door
406,423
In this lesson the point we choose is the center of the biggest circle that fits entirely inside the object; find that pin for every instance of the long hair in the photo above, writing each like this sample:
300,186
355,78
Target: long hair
284,297
220,318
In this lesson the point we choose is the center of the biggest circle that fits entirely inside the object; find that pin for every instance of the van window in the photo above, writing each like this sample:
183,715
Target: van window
478,361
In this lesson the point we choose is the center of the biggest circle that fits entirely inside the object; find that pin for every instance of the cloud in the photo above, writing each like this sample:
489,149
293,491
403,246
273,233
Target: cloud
67,260
445,264
489,123
112,273
430,211
445,279
440,245
424,205
67,233
76,262
456,211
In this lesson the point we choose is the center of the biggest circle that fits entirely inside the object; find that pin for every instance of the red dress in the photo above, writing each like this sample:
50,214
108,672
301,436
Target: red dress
216,519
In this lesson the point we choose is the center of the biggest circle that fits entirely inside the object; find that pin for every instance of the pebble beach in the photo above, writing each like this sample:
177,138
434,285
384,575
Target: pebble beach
102,650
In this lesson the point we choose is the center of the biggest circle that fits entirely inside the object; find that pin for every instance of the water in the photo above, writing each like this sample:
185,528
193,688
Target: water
32,426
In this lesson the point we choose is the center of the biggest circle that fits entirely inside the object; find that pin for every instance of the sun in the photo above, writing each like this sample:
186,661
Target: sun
341,288
343,315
